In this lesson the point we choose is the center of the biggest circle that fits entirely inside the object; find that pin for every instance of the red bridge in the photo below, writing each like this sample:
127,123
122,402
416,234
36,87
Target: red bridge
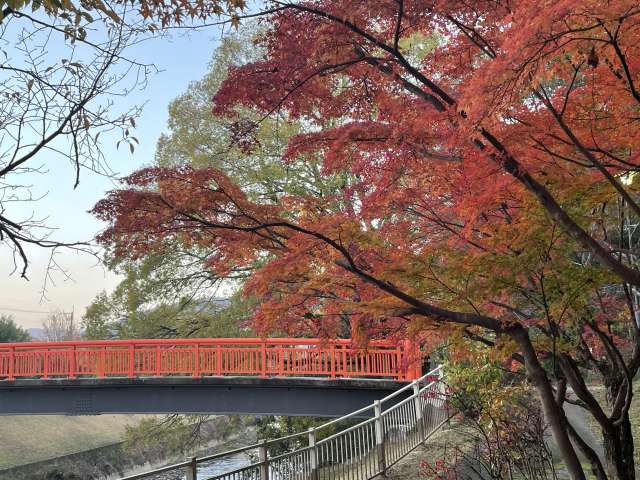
278,376
275,357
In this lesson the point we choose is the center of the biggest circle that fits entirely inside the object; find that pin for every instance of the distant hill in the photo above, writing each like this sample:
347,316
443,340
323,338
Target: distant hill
212,304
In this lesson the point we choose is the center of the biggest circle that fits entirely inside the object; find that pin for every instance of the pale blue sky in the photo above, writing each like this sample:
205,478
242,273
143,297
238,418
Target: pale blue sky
183,59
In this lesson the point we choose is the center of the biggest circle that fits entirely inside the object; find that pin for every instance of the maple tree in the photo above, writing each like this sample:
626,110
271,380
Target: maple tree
491,149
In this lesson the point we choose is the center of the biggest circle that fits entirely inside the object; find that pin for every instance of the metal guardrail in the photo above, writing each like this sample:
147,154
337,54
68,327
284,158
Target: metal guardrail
207,357
359,452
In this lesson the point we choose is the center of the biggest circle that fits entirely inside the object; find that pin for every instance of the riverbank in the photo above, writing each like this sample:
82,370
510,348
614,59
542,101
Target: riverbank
26,439
117,460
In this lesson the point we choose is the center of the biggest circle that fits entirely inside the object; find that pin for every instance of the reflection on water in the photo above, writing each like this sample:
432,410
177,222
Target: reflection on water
205,470
222,465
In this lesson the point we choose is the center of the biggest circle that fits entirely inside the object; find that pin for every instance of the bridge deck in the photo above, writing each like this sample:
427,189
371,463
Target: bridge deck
291,396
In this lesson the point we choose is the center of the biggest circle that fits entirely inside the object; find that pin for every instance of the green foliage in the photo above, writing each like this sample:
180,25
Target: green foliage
482,389
110,316
501,430
272,427
96,318
161,294
247,147
10,332
164,295
181,434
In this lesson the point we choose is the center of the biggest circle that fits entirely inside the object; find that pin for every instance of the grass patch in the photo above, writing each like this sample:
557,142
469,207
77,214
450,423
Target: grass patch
33,438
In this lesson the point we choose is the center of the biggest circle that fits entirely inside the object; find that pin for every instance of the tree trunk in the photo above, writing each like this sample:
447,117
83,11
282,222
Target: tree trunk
597,468
618,451
618,440
554,414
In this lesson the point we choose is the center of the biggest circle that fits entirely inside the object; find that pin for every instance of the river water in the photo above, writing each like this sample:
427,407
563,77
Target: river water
205,471
221,466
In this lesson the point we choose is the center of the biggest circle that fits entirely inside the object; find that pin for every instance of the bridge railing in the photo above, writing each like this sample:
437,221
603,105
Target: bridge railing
206,357
359,451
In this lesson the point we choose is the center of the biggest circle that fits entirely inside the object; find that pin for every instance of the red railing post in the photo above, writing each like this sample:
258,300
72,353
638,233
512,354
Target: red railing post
72,362
131,369
196,372
100,363
281,355
332,358
219,361
45,365
317,362
263,368
344,370
158,362
366,361
12,361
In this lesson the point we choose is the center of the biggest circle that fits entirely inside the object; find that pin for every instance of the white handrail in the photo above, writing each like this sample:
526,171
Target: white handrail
365,447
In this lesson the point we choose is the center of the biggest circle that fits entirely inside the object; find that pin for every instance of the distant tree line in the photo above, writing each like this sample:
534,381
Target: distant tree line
12,332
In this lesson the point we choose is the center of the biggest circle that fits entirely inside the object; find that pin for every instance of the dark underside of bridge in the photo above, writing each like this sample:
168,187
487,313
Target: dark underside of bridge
211,395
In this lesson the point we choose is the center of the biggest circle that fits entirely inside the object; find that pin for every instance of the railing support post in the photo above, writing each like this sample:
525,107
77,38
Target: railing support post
101,362
12,362
443,390
332,355
382,461
418,406
131,361
281,355
219,360
72,363
158,362
313,455
264,359
45,364
192,469
196,372
264,461
343,358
